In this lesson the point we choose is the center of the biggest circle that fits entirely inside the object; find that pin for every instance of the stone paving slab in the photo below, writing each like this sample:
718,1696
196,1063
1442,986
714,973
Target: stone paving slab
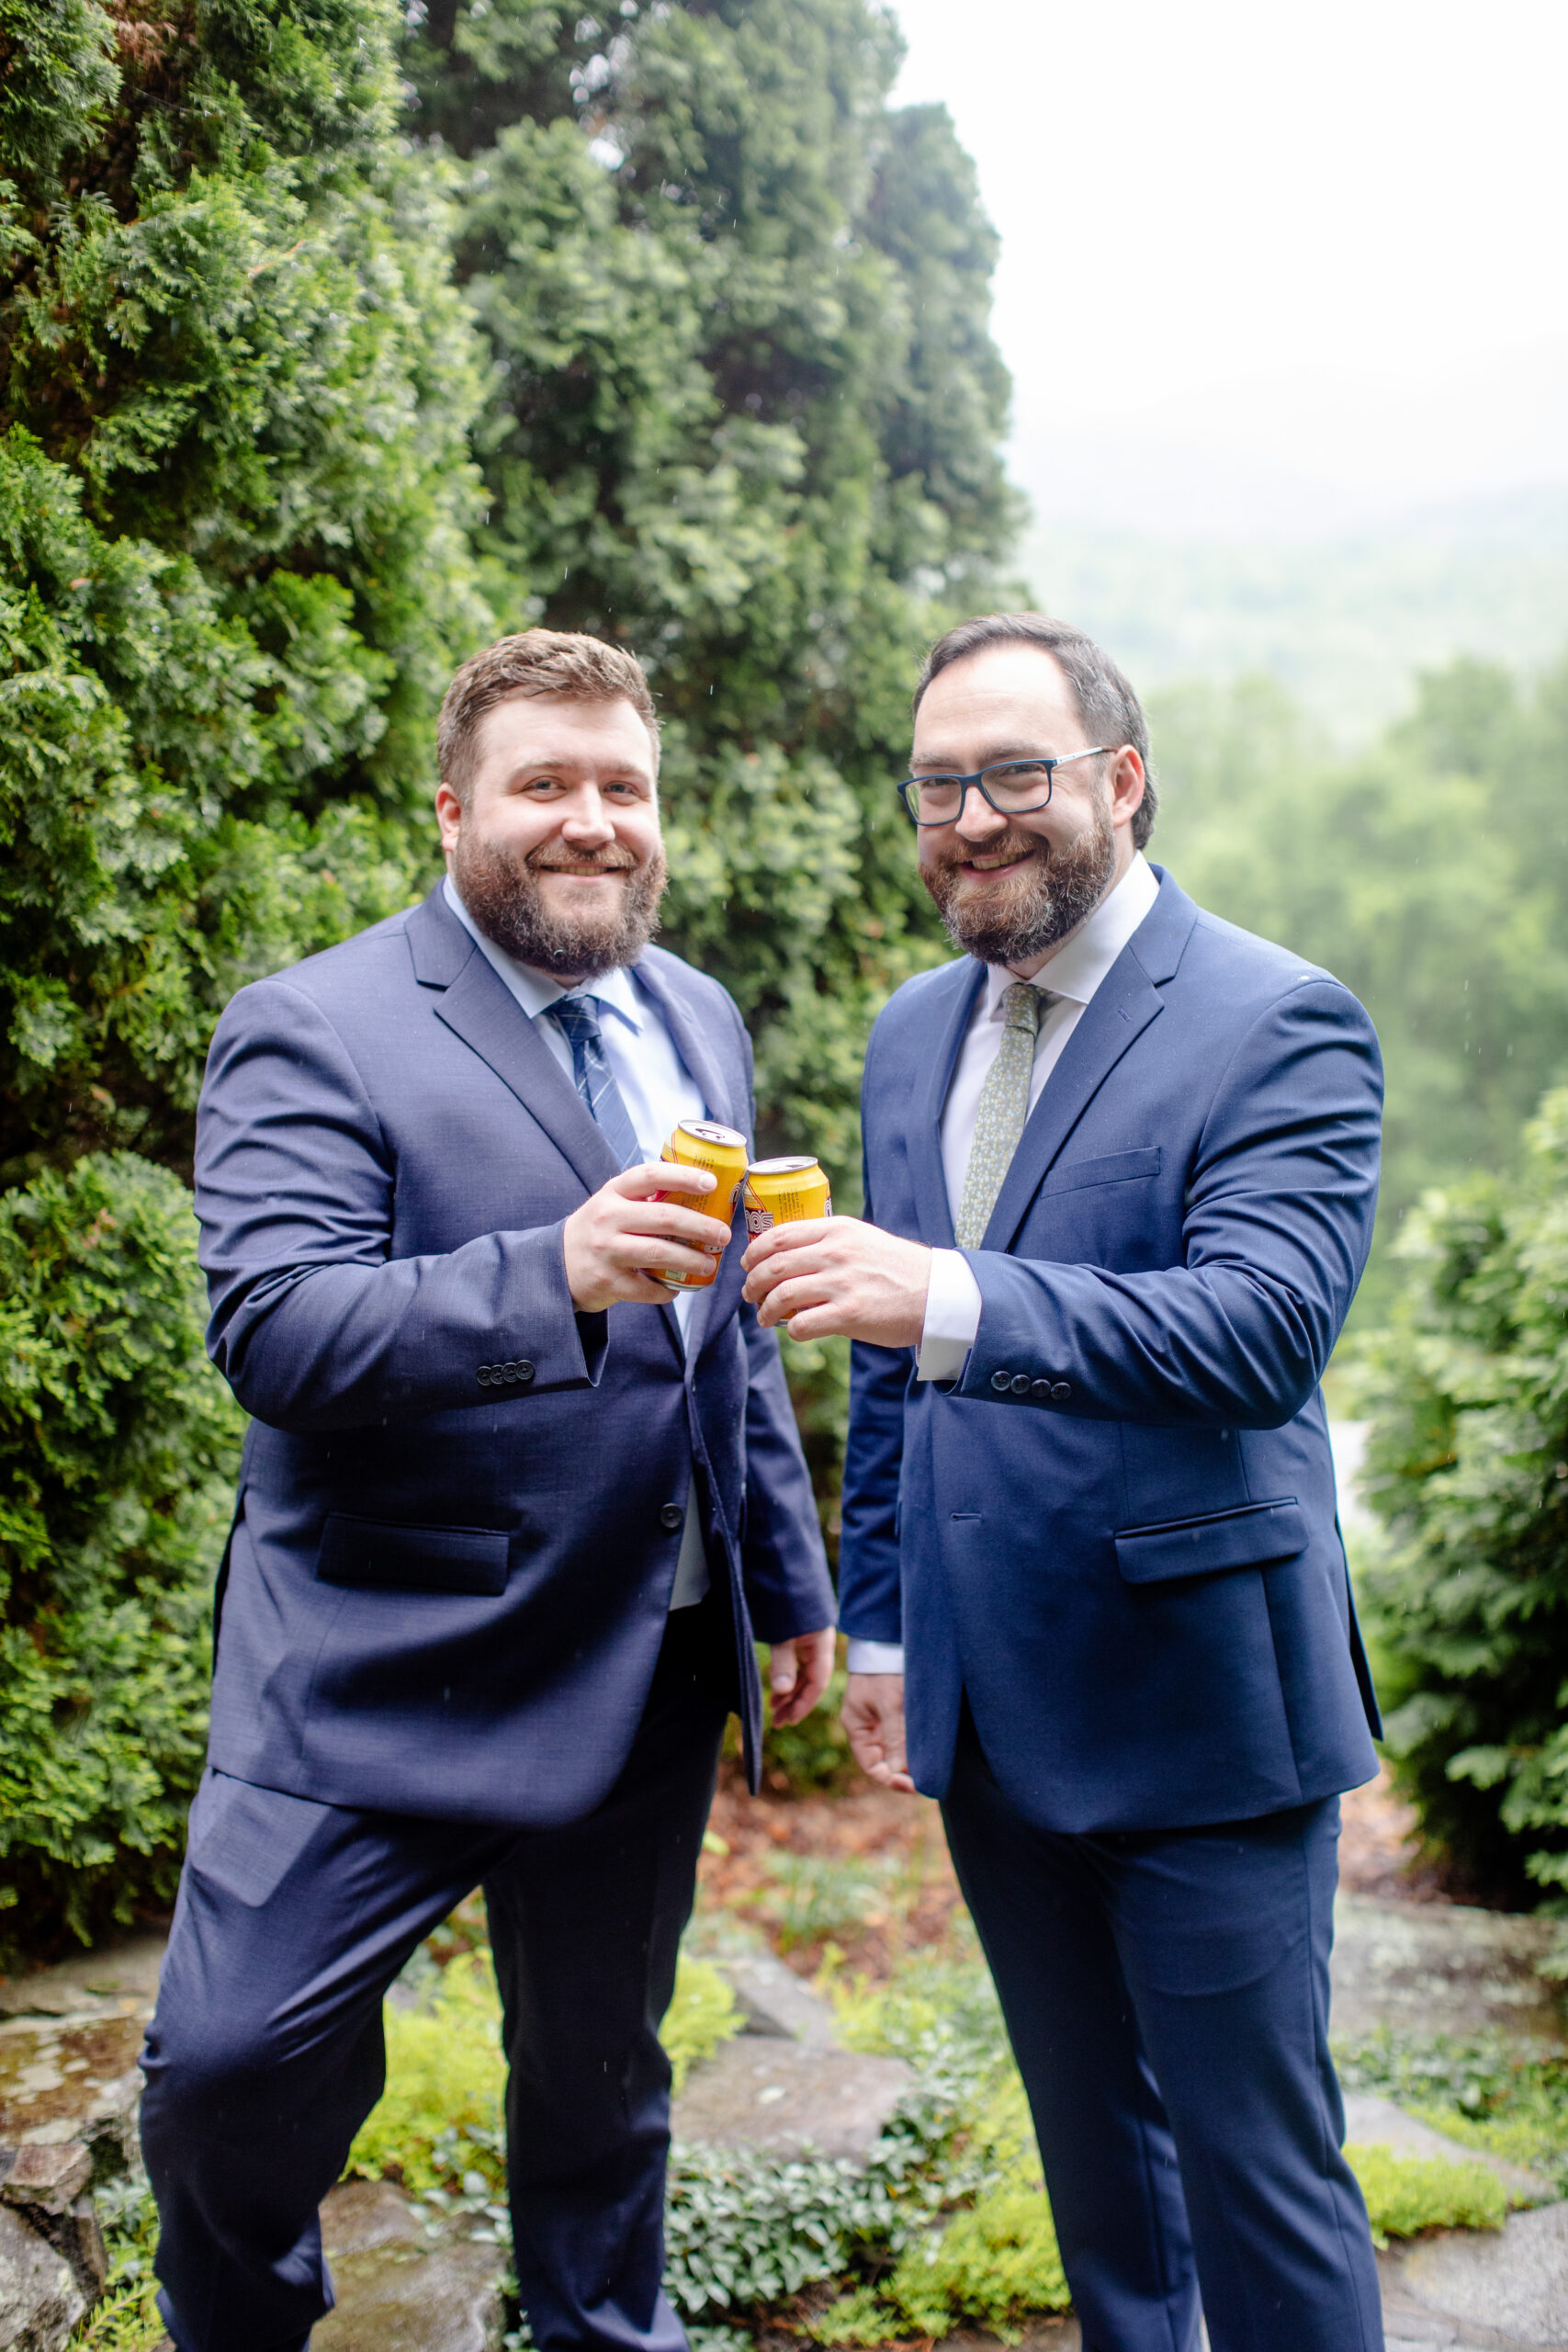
396,2290
1428,1968
766,2093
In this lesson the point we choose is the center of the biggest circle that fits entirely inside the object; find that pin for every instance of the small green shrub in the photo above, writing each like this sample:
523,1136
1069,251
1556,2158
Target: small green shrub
994,2264
1468,1457
702,2016
127,2318
1408,2194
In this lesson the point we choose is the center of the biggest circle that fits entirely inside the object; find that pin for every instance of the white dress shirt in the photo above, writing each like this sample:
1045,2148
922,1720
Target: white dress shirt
658,1091
1071,979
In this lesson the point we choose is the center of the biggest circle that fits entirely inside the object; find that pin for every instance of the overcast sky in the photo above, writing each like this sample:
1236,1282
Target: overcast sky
1268,270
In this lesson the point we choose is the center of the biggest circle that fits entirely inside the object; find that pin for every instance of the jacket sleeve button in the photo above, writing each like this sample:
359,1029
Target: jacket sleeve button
1001,1381
671,1516
1020,1384
1040,1390
1061,1392
524,1374
509,1374
485,1371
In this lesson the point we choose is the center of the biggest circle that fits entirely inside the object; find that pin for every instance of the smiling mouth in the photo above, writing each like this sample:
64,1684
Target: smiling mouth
996,862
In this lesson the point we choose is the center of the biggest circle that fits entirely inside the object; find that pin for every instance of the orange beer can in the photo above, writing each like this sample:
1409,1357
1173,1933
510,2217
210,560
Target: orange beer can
784,1192
697,1142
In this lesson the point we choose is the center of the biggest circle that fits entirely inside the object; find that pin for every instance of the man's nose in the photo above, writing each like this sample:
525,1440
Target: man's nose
979,819
586,818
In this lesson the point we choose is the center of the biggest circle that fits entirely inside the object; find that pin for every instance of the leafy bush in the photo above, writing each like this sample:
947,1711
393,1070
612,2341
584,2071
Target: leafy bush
1467,1468
117,1446
1408,2194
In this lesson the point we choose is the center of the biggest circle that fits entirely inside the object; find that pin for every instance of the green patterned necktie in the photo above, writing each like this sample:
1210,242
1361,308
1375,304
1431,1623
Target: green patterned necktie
1004,1107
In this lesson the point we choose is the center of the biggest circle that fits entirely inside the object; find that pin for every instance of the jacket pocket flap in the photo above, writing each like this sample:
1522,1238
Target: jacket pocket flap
412,1559
1248,1538
1116,1169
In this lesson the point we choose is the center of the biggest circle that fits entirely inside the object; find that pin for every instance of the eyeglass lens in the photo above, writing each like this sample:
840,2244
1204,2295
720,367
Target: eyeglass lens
1017,786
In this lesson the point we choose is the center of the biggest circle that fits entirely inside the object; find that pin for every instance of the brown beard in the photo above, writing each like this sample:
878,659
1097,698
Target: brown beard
505,900
1039,903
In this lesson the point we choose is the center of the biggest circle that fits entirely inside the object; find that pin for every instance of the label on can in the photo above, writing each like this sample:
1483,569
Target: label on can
784,1192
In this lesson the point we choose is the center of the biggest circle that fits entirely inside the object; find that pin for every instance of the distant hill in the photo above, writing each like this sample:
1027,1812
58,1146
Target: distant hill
1343,623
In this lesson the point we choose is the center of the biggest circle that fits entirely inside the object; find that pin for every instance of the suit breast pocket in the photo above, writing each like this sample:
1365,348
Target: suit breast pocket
399,1559
1116,1168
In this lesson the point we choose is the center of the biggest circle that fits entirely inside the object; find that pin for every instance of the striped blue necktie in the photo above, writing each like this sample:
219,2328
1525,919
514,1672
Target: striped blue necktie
594,1079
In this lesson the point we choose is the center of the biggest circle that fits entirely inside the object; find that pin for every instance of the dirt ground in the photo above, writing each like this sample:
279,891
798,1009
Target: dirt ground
876,1865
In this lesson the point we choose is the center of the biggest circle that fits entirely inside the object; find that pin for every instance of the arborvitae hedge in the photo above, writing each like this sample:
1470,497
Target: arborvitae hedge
334,337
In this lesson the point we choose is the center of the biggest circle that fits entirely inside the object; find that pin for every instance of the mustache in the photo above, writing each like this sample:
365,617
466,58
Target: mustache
1008,844
614,858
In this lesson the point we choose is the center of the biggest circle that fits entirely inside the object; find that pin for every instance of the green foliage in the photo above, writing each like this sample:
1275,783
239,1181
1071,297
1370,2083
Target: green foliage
1487,2093
127,2319
995,2263
117,1454
1429,873
1468,1466
702,2016
1408,2194
814,1895
235,490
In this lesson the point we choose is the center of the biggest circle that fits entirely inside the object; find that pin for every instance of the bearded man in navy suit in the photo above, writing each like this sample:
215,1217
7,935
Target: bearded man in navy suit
1121,1167
509,1518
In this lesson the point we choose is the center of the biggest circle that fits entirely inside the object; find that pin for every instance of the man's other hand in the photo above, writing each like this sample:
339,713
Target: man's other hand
616,1236
874,1719
798,1671
836,1276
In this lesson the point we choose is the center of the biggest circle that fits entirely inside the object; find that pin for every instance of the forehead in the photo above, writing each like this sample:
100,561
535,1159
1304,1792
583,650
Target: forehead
563,731
1013,693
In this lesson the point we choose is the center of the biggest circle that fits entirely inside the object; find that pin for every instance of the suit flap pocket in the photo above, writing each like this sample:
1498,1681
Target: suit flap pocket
1116,1169
412,1559
1249,1538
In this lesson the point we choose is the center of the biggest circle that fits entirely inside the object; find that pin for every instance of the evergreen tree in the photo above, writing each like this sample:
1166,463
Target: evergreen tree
235,495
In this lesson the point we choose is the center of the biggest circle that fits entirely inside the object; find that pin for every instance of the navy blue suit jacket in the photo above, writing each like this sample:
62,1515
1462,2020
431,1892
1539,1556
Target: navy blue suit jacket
1117,1533
461,1500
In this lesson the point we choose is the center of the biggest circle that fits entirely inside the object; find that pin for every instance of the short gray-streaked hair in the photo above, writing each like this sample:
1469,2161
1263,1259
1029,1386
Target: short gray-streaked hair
1107,703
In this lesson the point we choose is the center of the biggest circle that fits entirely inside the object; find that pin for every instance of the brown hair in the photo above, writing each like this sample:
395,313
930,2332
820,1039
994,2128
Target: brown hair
539,661
1107,703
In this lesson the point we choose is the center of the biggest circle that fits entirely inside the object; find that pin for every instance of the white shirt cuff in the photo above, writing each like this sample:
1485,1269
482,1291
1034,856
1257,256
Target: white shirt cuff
874,1658
953,1317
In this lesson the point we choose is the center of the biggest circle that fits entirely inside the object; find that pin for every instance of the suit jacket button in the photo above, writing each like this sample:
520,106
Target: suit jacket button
1001,1381
1040,1390
1061,1392
1020,1384
671,1516
509,1374
485,1371
524,1374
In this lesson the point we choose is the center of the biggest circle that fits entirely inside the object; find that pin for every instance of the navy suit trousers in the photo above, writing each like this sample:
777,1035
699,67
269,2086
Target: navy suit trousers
1166,1996
266,2051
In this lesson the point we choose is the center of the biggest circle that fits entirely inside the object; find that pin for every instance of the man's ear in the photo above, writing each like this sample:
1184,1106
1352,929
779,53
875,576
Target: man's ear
1127,781
449,816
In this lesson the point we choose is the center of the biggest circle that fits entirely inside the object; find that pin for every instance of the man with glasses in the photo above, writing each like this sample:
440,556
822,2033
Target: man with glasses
1121,1168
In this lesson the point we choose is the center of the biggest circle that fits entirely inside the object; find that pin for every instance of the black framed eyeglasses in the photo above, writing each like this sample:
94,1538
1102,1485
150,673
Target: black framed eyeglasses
1012,787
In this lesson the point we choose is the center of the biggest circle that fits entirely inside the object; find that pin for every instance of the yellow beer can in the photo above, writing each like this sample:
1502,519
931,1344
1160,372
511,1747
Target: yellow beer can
697,1143
784,1192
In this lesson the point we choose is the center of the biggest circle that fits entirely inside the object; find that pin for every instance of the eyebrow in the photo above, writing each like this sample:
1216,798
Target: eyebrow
995,754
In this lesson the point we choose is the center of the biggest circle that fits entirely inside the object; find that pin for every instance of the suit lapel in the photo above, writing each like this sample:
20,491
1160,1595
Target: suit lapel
479,1008
726,1099
1121,1008
931,1203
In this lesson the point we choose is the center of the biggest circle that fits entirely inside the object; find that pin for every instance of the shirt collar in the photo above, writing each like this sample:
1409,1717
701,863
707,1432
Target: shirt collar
536,992
1077,969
